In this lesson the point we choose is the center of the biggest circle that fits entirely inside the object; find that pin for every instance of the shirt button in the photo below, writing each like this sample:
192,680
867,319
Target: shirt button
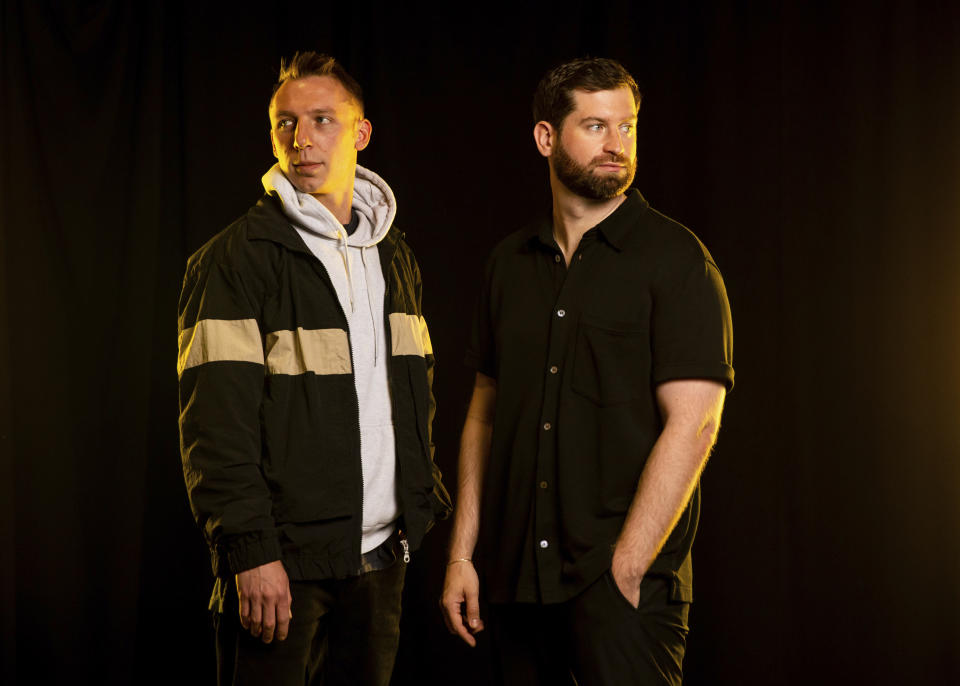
543,485
553,369
556,258
547,426
544,544
561,313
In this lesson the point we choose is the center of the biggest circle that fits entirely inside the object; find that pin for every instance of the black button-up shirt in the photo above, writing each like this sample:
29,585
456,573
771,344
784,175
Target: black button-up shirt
577,353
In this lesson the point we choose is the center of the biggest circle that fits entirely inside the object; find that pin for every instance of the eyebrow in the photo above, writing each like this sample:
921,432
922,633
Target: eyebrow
322,110
604,121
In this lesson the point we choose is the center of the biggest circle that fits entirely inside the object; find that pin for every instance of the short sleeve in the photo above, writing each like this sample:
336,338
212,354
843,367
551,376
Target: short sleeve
692,330
481,350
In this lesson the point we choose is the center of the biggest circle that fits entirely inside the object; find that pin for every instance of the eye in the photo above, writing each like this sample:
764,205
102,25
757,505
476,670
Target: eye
322,119
284,124
627,128
595,127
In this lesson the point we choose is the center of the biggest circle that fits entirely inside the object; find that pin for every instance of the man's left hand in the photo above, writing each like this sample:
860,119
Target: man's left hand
626,578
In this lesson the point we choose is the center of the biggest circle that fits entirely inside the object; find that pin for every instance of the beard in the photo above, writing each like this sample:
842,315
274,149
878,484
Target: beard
581,179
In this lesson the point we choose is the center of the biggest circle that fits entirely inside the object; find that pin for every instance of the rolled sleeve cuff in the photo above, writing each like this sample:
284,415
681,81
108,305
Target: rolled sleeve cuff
721,372
478,364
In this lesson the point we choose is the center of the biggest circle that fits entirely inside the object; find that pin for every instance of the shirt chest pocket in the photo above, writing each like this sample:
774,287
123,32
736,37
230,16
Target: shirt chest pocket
611,360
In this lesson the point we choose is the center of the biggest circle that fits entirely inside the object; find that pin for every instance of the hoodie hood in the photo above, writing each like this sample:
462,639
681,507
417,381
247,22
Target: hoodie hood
373,201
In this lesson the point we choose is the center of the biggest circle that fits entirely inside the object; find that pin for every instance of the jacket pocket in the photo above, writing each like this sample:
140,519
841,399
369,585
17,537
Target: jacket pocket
310,449
611,362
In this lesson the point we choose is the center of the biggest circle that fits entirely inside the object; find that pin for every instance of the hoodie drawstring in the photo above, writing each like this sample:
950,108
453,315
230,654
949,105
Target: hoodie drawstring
346,265
344,249
376,329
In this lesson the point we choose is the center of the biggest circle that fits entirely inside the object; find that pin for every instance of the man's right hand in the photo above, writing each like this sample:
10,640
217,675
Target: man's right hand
460,602
265,601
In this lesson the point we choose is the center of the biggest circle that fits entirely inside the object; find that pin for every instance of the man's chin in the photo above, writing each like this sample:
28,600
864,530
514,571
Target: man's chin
303,182
611,184
306,184
610,187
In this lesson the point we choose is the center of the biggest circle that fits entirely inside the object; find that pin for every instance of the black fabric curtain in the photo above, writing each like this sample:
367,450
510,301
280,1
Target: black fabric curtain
814,148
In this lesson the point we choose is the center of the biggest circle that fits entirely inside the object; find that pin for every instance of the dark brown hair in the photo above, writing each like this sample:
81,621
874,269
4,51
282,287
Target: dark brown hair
311,63
553,99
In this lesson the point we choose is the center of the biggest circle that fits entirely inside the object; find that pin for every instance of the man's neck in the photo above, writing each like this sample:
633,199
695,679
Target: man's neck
574,215
340,204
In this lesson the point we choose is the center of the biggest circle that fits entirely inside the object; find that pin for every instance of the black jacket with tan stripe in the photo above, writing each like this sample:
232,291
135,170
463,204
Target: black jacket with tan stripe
269,425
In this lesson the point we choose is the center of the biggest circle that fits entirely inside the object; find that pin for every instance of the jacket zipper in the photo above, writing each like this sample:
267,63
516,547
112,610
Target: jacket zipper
389,336
356,397
356,404
389,362
388,342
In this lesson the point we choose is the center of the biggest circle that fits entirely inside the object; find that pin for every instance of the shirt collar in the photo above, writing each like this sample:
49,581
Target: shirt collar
615,228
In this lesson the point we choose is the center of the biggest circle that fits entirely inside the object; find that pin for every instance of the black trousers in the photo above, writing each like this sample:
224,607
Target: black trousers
595,639
343,631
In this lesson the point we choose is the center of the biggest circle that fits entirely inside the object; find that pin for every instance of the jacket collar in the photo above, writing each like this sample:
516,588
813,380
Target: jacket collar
266,221
387,247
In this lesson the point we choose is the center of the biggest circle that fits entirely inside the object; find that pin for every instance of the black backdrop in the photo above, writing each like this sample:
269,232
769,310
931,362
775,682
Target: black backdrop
814,148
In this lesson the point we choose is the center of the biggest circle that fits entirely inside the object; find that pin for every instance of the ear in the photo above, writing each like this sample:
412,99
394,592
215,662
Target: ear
544,135
364,131
273,144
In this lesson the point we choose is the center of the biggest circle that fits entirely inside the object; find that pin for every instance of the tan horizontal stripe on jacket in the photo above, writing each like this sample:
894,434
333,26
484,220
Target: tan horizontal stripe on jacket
219,340
321,351
409,335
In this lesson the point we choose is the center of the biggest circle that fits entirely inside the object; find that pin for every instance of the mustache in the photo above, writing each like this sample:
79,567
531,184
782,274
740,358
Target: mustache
612,158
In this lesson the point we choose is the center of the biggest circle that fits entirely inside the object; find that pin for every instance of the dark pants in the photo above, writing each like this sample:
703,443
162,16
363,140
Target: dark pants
343,631
594,639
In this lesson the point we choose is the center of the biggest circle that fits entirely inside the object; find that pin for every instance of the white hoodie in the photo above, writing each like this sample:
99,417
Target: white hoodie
353,265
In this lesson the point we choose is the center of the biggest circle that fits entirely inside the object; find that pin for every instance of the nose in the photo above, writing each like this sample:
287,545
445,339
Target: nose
614,142
301,137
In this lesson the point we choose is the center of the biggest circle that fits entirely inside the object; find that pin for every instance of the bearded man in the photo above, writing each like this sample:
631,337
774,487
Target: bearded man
602,346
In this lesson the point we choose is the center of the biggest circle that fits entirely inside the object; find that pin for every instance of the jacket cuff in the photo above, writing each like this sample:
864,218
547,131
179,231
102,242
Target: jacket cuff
237,554
440,501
